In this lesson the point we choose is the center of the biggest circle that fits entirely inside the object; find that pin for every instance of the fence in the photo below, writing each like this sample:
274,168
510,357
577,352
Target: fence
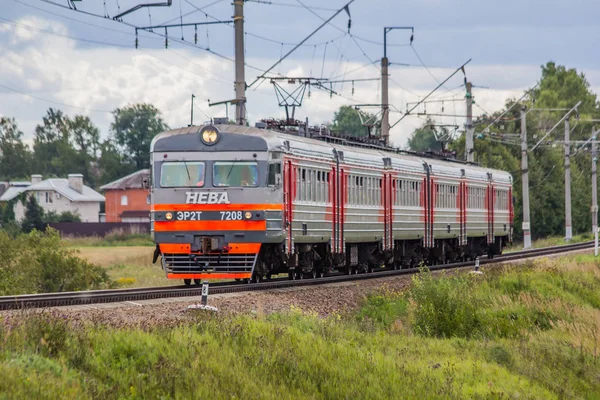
100,229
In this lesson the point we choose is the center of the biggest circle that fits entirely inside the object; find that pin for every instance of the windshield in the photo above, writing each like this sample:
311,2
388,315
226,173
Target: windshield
182,174
235,173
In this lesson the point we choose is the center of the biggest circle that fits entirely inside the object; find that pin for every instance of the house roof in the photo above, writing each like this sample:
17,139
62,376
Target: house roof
135,214
12,192
131,181
58,185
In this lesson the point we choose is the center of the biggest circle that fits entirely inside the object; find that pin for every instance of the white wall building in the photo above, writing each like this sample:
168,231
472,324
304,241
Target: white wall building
59,195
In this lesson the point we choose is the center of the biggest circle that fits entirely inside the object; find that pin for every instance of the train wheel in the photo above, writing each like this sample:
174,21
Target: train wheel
321,274
314,273
197,282
269,276
188,282
256,278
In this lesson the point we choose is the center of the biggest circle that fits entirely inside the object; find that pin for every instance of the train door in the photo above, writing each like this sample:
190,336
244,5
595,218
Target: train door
462,209
388,211
428,198
339,199
490,200
289,186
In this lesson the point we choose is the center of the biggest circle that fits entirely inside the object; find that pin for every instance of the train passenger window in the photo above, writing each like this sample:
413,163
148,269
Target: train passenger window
235,173
182,174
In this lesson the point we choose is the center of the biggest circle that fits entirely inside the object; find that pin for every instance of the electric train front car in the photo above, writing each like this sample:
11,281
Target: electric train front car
216,199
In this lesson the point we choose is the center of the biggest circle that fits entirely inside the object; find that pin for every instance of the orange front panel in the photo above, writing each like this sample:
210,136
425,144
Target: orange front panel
235,248
173,226
244,248
174,248
216,275
216,207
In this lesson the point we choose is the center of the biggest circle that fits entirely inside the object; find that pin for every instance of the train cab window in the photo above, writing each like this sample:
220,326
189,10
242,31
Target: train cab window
274,171
182,174
235,173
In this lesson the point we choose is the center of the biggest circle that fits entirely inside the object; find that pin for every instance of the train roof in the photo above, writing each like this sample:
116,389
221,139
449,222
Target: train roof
353,154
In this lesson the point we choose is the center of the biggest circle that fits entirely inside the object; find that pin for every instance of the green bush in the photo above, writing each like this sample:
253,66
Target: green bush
37,263
445,307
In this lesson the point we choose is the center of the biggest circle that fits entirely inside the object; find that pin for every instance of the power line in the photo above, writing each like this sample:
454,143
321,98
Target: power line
425,66
342,30
63,104
113,45
274,3
81,22
154,33
62,35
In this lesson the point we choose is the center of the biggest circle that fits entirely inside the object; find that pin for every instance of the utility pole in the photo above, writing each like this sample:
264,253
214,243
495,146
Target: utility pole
385,101
594,192
240,79
568,226
469,151
385,107
525,179
192,112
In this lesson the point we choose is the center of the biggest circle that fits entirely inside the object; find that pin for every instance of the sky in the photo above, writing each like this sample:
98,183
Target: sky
85,63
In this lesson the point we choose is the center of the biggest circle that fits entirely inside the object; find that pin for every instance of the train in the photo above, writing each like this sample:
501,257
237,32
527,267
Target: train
248,203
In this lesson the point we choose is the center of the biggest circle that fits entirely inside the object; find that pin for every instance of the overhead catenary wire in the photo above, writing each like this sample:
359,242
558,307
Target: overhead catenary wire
67,105
154,33
25,26
425,66
302,42
96,42
437,87
129,33
342,30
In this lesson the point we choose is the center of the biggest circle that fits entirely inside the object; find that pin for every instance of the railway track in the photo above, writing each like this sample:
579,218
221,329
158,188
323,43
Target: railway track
120,295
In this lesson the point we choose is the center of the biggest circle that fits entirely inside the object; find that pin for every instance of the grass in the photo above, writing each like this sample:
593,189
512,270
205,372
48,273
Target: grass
109,240
515,332
129,266
550,241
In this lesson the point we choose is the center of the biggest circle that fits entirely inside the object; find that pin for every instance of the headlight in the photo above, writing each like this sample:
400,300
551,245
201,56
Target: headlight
169,216
248,215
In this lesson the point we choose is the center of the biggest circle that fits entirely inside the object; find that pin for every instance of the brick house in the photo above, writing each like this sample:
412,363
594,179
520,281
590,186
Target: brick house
126,199
58,195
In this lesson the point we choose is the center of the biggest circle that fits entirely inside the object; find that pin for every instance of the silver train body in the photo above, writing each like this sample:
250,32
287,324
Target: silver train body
268,202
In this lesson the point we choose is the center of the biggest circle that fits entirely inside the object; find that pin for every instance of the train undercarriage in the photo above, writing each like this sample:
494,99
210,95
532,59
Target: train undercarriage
317,260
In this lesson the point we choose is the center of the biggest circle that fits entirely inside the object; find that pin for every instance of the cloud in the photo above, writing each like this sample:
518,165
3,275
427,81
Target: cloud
96,80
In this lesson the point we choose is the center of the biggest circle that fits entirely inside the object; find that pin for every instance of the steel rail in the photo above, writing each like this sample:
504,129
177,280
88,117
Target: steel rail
44,300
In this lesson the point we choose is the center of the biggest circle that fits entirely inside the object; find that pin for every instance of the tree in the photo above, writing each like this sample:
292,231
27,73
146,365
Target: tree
559,87
347,121
15,159
86,140
423,138
53,152
134,128
112,163
563,88
34,216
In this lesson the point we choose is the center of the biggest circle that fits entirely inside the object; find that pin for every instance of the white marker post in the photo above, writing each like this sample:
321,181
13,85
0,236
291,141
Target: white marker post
476,271
204,305
205,293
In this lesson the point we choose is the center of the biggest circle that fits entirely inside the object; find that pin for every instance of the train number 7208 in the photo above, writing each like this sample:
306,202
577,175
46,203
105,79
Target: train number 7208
231,215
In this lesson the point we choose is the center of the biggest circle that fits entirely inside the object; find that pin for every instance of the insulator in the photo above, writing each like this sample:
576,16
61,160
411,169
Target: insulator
136,39
195,34
352,88
166,39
